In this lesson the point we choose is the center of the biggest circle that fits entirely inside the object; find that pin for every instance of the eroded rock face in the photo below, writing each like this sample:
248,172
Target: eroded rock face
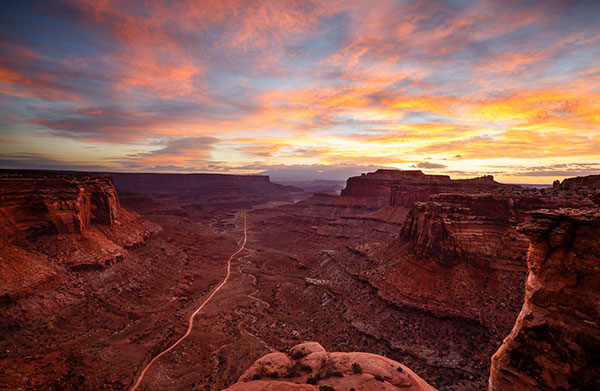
478,228
54,205
398,188
461,255
51,220
555,342
308,366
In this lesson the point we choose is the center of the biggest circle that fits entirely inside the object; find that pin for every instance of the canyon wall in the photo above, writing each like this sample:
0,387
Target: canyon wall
397,188
52,220
459,255
479,228
555,342
54,205
206,188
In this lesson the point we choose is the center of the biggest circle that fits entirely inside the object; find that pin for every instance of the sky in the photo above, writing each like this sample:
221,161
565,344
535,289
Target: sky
302,88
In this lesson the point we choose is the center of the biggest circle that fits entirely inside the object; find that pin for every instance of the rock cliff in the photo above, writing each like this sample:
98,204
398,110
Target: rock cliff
309,367
51,220
54,205
581,183
207,189
398,188
478,228
555,342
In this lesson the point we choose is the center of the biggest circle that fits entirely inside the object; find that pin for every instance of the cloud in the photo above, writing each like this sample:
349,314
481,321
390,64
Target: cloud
316,171
222,85
429,165
559,170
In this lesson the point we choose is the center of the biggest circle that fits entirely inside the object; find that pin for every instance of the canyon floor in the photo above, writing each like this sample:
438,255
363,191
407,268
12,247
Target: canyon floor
296,280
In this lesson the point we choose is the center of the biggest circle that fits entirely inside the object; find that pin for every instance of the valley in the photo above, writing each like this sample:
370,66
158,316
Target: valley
436,286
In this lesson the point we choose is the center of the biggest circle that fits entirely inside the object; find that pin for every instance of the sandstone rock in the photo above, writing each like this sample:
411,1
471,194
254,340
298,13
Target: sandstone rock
54,205
51,220
584,183
310,362
403,188
555,342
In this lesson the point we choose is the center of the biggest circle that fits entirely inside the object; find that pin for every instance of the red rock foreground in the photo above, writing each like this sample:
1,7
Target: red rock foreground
555,343
309,367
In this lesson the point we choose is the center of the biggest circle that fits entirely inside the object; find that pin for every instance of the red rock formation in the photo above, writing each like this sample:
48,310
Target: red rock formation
459,255
308,367
54,205
398,188
477,228
53,220
207,188
583,183
555,342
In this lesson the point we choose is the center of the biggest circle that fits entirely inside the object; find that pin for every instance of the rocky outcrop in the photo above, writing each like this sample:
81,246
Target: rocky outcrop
406,194
309,367
54,205
477,228
398,188
580,183
51,220
555,342
461,256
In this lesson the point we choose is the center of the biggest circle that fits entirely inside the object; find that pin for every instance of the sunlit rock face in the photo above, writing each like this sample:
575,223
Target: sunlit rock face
555,342
308,366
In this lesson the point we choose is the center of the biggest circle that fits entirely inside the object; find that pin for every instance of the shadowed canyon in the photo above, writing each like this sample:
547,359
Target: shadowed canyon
417,282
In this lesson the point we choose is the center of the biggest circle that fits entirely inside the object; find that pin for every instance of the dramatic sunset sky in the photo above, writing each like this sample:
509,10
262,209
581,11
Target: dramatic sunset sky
305,88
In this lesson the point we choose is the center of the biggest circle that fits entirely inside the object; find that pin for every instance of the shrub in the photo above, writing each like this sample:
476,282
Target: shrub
306,368
356,368
314,379
274,375
378,378
298,354
334,374
326,388
399,369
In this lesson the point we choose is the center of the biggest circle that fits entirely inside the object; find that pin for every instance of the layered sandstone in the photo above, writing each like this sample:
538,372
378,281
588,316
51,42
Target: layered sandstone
52,220
399,188
308,366
555,342
54,205
478,228
464,253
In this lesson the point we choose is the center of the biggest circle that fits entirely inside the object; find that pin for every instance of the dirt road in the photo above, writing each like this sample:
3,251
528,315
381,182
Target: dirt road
193,315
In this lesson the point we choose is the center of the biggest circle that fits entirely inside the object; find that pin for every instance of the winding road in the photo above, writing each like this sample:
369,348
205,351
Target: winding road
193,315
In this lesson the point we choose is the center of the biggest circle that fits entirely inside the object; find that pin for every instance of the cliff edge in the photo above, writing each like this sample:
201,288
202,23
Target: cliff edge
555,342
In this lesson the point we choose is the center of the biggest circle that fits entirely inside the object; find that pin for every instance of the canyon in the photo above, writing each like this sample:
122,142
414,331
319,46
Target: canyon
102,270
555,342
